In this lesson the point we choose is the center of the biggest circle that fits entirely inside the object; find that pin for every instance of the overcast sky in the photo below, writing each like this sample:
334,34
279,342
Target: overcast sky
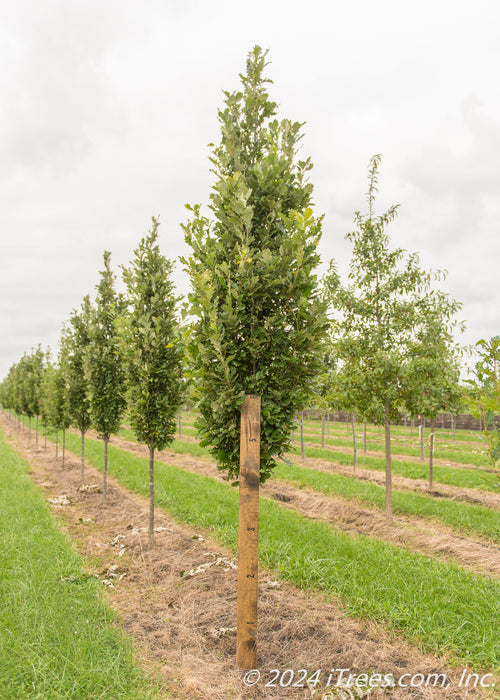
106,110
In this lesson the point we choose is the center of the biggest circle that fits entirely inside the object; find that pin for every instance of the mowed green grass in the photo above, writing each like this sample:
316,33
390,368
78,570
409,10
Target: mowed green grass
461,477
58,638
463,517
434,604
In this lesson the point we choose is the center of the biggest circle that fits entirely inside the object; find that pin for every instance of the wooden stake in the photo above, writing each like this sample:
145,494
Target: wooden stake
248,534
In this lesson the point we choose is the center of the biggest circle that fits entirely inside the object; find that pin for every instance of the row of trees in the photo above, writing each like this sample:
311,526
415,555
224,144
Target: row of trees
258,320
120,353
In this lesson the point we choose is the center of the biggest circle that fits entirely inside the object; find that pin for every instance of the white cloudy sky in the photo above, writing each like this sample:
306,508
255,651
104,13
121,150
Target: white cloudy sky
107,107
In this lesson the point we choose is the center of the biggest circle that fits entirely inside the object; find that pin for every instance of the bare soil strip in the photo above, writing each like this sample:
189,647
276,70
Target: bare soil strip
181,612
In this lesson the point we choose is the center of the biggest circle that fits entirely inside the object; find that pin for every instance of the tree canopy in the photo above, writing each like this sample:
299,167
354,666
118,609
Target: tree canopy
259,320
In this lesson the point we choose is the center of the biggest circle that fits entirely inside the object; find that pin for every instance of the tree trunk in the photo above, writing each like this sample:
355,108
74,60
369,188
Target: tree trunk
151,527
82,452
323,430
431,455
105,469
64,445
328,423
388,471
29,427
453,426
422,438
36,434
302,447
353,421
57,443
364,437
180,427
404,431
45,436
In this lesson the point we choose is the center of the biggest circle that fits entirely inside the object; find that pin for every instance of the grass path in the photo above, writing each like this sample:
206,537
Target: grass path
58,638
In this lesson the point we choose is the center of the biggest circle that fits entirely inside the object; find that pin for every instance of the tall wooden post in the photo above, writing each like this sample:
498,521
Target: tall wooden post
248,534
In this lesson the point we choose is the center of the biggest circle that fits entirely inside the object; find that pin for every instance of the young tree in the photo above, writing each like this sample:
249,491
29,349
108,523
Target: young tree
104,364
74,347
152,350
433,374
259,318
483,395
382,322
30,378
46,394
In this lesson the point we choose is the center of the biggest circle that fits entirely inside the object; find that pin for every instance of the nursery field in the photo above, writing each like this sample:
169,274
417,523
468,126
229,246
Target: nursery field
408,609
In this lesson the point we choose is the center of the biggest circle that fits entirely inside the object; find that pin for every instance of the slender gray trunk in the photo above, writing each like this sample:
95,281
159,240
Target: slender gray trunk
45,435
353,421
36,434
328,423
431,456
388,471
404,431
302,447
422,444
453,426
180,427
323,431
82,452
29,427
64,445
364,437
105,469
57,443
151,529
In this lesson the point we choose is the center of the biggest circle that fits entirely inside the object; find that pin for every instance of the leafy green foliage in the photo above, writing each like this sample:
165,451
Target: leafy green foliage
151,344
259,320
103,362
392,334
74,346
54,396
484,395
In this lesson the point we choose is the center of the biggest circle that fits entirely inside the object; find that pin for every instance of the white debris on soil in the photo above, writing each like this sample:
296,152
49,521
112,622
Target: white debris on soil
224,562
116,539
89,488
60,501
219,632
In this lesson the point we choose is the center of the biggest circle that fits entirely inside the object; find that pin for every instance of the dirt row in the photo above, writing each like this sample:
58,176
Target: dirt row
178,601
